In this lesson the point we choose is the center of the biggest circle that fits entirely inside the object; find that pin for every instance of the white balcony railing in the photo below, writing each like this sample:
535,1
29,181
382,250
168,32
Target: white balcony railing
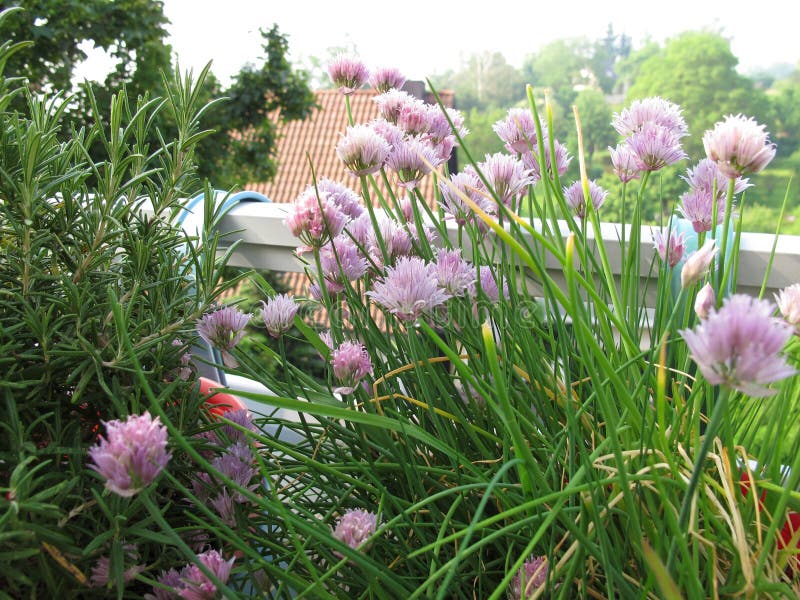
266,244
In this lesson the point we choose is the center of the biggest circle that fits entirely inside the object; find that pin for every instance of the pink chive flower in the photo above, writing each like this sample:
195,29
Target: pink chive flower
394,237
705,301
392,103
697,207
315,220
655,111
342,260
506,175
347,73
625,163
101,569
698,263
409,290
388,131
223,329
278,314
575,198
351,363
488,285
707,176
362,150
655,147
132,454
345,199
414,118
738,346
193,584
670,246
455,274
517,130
241,417
439,126
529,579
355,527
789,304
411,160
530,159
467,183
386,79
738,145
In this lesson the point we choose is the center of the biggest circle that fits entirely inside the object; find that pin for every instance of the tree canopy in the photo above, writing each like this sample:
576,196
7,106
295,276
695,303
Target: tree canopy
133,32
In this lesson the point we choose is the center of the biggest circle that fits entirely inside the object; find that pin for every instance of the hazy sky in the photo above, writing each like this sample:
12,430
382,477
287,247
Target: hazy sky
425,37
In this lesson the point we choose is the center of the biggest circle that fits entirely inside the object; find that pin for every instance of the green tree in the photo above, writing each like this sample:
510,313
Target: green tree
785,96
697,71
607,52
595,115
134,32
560,66
485,81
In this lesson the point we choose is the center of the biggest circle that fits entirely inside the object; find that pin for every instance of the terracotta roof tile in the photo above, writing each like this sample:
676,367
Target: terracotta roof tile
312,141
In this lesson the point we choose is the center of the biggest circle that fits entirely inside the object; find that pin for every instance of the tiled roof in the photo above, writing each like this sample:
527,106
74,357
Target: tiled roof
312,141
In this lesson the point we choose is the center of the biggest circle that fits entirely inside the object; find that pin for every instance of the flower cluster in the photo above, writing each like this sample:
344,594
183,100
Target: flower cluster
355,527
708,187
530,579
653,129
191,582
739,345
132,454
223,329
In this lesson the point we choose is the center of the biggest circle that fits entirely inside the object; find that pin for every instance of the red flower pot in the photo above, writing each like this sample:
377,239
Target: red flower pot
220,402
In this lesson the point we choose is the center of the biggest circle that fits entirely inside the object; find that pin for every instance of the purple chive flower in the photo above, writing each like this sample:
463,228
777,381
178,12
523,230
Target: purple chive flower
467,183
651,111
698,263
738,346
409,289
351,363
506,175
315,220
170,579
697,207
411,160
789,304
388,131
241,417
223,329
455,274
488,284
393,235
670,246
738,145
706,183
707,176
132,454
345,199
237,464
355,527
347,73
656,147
342,260
530,159
439,126
278,314
529,579
193,584
575,198
386,79
625,163
101,569
414,118
517,130
705,301
362,150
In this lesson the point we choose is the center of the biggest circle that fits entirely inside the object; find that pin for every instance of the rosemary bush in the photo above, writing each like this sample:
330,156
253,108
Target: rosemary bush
98,305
